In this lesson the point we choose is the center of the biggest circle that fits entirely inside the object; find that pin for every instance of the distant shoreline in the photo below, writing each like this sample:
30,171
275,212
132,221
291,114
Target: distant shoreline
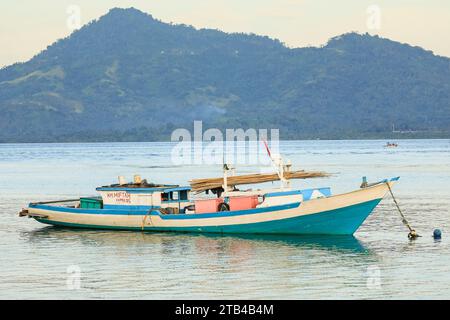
166,141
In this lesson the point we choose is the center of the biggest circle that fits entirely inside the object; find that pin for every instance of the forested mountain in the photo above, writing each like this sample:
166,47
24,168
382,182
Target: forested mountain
128,76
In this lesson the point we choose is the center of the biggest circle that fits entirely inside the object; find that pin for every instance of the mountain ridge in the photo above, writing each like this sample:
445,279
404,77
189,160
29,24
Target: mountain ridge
127,76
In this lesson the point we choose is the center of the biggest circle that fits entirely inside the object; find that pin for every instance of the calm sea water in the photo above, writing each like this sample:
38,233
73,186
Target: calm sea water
378,262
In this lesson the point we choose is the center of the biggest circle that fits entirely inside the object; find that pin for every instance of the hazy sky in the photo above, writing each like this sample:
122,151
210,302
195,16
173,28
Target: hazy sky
29,26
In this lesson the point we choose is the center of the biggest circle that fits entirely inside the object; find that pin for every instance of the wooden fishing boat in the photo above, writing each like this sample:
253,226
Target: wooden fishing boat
391,145
217,206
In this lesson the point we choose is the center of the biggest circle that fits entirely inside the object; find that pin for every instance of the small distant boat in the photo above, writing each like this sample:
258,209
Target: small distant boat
391,145
217,206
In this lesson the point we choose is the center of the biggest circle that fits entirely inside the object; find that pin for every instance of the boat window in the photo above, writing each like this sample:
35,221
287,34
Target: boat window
174,195
183,195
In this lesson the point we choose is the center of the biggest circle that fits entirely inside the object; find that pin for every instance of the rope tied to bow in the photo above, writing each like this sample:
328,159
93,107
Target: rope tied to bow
412,233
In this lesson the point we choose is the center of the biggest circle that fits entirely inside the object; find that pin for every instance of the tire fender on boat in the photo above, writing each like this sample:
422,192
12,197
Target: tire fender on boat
223,207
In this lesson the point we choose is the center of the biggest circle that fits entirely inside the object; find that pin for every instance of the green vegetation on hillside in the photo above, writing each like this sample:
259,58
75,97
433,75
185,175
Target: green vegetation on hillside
127,76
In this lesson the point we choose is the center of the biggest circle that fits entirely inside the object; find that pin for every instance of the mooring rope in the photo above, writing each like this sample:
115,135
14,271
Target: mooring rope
412,233
145,218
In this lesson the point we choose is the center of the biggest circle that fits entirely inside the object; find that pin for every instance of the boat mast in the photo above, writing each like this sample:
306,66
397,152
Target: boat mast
225,177
227,168
280,167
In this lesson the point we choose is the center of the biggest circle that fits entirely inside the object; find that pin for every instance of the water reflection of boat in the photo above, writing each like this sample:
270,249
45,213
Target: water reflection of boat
338,242
204,242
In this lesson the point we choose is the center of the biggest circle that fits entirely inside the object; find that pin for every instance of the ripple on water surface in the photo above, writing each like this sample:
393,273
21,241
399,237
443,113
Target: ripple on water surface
379,262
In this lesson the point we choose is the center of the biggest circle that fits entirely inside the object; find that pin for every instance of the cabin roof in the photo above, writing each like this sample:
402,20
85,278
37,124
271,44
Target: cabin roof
181,188
144,188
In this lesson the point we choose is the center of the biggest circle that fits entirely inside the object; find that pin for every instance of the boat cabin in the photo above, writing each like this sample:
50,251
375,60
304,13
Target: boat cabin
169,198
174,199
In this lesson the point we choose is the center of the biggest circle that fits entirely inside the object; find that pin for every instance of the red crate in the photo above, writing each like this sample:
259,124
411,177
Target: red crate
243,203
207,205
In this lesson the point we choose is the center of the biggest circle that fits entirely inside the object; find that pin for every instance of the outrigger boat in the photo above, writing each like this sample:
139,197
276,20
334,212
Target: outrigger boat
217,206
